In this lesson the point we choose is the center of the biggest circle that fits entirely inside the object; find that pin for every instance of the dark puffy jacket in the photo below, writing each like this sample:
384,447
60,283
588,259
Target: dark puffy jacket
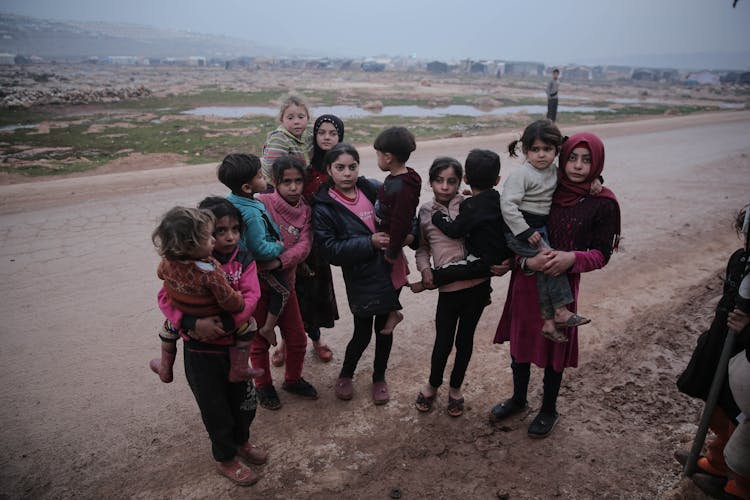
345,241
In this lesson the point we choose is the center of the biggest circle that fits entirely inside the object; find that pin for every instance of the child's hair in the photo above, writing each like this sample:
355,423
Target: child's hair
482,168
739,219
545,130
181,231
221,207
284,163
316,162
555,70
293,100
443,163
397,141
237,169
338,150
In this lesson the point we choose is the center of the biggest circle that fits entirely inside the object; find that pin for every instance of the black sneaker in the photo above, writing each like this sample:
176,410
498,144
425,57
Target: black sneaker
505,409
543,424
301,388
268,397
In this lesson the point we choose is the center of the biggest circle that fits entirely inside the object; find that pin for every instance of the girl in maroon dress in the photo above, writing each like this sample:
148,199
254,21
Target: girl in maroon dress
584,230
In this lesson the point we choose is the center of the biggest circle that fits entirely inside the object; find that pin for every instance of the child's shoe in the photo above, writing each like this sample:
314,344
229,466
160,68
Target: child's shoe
163,366
239,370
251,454
238,472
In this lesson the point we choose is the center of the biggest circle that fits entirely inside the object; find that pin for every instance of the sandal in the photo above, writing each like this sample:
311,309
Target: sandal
555,336
238,472
455,407
278,358
324,352
424,403
573,321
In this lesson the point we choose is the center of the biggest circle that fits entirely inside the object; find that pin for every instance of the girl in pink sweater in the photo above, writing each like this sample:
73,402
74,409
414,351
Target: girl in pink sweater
291,213
461,303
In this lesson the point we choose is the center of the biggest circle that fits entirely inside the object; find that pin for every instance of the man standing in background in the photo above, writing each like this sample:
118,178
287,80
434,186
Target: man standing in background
552,87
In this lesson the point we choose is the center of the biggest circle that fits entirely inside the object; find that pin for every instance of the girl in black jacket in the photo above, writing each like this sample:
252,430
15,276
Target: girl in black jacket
344,223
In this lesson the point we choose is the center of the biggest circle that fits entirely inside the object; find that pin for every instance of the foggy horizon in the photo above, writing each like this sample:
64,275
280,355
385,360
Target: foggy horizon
577,32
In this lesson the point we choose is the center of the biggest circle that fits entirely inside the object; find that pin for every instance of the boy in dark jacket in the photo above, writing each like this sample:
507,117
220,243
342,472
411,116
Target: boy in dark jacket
396,204
479,221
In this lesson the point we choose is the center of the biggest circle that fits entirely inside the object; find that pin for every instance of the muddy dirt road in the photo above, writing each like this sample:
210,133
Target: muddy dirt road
84,417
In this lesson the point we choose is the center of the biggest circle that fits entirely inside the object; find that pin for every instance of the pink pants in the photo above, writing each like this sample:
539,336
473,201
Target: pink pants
295,341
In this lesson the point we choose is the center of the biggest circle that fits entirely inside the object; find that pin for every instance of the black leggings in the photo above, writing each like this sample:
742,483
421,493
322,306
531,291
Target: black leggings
456,319
227,408
552,381
359,342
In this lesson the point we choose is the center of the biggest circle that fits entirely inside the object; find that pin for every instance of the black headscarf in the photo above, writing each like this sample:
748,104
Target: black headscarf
317,159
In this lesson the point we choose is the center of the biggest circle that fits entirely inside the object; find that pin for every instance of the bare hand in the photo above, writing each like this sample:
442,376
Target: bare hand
208,329
500,269
381,240
408,240
535,238
596,187
428,279
558,262
738,320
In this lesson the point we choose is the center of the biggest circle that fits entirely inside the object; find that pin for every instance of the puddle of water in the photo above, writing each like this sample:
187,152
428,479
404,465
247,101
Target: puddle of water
7,128
345,112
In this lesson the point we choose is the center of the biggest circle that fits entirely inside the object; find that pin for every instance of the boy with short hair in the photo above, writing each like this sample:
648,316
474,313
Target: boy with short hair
396,204
479,222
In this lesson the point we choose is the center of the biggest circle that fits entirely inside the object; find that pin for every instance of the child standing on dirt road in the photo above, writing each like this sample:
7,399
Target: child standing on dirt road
291,138
526,202
242,174
315,292
460,304
227,408
345,233
396,204
195,284
291,213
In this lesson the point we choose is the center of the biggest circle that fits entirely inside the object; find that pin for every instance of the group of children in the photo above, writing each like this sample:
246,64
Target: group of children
224,258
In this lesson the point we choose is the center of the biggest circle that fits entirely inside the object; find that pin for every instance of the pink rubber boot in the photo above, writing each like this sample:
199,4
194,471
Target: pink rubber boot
163,366
239,369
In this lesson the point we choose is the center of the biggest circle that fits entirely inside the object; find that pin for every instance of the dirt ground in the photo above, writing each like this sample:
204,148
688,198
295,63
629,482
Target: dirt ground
83,416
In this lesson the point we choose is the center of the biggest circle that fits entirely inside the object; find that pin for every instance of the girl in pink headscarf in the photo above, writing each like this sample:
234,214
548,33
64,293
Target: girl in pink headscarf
584,230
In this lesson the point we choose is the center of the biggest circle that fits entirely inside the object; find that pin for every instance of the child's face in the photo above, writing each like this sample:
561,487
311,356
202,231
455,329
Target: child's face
226,234
206,246
578,167
327,136
344,172
290,185
295,119
257,184
384,160
445,185
541,155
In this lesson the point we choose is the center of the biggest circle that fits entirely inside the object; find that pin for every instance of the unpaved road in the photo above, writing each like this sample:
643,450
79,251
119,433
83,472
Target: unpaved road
82,416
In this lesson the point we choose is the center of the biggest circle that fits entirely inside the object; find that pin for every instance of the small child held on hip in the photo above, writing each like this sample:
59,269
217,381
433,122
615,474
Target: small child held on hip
526,202
227,405
396,204
479,222
292,137
243,175
197,286
346,235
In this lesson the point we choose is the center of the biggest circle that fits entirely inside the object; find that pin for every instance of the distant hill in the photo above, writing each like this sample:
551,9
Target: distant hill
56,39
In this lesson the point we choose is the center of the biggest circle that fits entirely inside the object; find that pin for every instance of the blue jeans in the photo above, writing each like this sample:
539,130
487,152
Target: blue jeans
554,291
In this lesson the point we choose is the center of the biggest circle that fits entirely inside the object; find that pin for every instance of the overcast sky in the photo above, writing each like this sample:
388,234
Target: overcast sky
584,31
